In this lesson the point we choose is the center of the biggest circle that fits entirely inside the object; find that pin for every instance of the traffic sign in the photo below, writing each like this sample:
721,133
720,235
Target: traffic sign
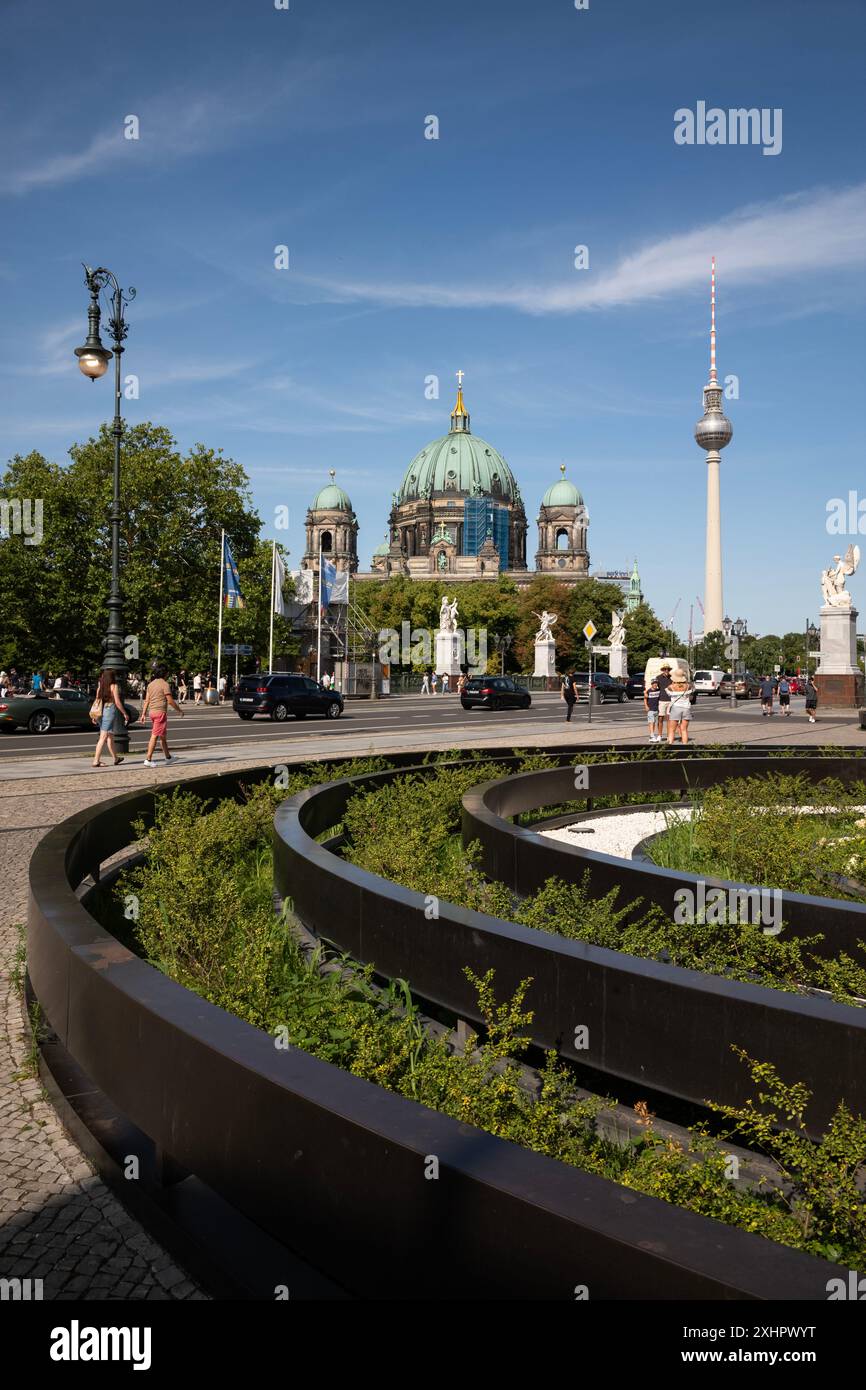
590,630
237,649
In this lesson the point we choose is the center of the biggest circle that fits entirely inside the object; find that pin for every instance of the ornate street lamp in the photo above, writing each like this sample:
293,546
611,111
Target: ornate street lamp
811,633
93,359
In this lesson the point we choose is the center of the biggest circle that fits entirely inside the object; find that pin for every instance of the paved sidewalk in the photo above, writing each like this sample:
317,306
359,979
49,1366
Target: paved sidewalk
58,1220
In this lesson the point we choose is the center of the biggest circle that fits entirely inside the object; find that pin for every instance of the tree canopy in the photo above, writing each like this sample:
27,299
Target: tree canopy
174,508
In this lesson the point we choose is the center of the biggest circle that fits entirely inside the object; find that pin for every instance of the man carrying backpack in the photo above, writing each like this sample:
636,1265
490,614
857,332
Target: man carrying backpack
784,696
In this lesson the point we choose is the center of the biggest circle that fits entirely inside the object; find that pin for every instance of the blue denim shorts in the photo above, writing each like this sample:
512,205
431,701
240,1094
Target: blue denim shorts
106,723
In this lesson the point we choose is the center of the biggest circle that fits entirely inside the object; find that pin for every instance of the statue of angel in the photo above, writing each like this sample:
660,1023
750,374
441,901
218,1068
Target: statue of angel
617,631
444,615
452,616
547,621
833,578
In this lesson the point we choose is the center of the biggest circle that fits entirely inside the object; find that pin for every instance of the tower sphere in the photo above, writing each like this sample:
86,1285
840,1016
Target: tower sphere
714,430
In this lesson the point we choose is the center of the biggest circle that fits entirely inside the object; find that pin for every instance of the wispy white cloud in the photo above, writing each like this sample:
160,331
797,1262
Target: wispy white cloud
177,124
795,235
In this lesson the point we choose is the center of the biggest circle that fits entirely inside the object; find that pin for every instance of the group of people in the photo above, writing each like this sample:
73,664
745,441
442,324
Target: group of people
14,682
434,684
109,713
668,704
771,686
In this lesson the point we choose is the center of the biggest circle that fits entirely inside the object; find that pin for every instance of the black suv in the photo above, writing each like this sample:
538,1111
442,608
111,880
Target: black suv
494,692
281,695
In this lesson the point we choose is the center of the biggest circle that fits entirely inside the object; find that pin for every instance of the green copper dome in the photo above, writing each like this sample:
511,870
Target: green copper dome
562,494
331,499
381,549
460,463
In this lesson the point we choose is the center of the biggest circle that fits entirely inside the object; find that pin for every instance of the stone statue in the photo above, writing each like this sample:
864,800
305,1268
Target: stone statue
447,615
617,631
547,621
833,578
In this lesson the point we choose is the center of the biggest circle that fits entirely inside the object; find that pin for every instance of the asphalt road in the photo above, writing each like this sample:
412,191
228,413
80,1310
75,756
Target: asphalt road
433,714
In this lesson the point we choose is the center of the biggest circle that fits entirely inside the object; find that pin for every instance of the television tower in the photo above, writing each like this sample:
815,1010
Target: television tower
712,432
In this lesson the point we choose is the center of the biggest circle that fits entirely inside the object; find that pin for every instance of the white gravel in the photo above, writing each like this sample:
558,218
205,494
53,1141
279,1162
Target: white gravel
617,835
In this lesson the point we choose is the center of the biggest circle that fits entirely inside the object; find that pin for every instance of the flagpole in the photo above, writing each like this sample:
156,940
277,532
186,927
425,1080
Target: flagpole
319,635
220,627
273,601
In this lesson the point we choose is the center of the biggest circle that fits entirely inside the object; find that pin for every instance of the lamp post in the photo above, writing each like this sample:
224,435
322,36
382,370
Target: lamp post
502,642
732,631
811,633
93,359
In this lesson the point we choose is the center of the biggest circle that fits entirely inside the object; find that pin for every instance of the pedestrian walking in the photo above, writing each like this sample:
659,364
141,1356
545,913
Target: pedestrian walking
326,681
434,683
156,703
768,689
425,683
568,693
182,687
663,680
222,690
651,699
196,688
445,680
108,712
679,707
811,700
785,696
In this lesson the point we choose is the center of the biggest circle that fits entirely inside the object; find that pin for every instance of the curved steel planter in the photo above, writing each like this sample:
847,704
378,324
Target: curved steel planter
334,1167
653,1025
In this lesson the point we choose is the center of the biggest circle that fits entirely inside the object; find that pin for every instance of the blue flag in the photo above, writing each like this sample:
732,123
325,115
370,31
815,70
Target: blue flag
326,583
232,596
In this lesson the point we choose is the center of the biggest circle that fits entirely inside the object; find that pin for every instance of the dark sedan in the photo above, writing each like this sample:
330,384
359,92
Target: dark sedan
56,709
494,692
607,690
279,695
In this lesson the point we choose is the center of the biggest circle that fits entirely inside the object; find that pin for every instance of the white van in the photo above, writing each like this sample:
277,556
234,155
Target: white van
676,663
707,682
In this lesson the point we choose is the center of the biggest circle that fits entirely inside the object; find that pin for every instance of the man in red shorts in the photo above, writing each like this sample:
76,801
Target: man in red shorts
156,703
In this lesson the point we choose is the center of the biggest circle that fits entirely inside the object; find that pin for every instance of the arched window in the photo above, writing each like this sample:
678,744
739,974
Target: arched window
327,542
563,540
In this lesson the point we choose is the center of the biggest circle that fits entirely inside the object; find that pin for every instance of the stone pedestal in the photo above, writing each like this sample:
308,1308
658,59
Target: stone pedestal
839,678
545,658
618,663
449,653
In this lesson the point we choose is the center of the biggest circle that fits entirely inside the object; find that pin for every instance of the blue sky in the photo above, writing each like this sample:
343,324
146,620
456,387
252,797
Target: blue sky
412,257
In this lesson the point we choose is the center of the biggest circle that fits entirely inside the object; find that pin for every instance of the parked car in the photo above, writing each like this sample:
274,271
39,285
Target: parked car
494,692
280,694
67,708
708,682
607,690
635,687
748,686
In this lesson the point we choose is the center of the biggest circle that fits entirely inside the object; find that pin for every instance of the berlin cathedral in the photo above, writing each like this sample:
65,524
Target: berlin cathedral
458,514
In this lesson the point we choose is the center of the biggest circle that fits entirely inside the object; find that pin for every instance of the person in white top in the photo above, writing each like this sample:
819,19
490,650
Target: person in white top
326,681
58,682
425,684
196,685
222,689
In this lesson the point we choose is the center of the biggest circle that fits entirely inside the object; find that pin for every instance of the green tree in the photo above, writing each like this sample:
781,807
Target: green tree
645,636
54,594
710,651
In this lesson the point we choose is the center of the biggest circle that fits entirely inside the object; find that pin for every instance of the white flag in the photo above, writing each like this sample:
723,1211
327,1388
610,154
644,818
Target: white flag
340,587
280,606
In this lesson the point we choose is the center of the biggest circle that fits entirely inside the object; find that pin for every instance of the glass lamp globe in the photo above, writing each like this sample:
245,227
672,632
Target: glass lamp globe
93,364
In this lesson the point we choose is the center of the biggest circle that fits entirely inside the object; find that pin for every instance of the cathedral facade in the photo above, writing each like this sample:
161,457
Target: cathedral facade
458,514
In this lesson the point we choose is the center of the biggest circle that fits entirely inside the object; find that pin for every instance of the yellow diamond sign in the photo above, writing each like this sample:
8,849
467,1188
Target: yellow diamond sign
590,630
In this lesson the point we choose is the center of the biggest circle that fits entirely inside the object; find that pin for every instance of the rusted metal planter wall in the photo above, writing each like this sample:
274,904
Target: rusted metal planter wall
334,1167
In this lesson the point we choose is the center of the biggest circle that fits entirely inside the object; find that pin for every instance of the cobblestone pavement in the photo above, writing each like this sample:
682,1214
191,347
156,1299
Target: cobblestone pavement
58,1220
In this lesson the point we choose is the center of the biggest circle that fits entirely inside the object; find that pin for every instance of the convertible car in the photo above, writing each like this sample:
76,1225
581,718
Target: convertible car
56,709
